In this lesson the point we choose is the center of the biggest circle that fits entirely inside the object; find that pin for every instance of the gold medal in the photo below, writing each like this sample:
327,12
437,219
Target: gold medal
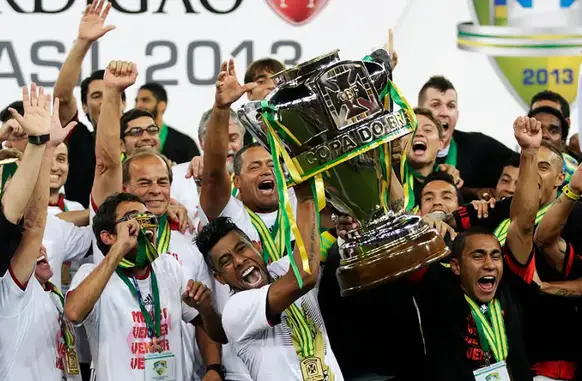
156,348
312,369
71,362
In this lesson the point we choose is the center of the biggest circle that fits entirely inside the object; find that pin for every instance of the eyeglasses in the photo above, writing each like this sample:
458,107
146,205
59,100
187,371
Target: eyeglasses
145,220
136,132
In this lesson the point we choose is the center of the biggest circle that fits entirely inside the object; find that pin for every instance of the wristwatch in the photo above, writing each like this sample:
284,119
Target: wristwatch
39,139
218,368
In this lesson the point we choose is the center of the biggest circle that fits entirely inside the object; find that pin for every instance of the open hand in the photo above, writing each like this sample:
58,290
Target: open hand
58,132
91,27
37,117
228,89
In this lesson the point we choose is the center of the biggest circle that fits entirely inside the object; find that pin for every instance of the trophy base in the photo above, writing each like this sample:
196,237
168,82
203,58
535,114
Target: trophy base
389,256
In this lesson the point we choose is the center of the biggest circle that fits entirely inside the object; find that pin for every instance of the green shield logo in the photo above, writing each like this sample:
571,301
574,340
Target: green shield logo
534,44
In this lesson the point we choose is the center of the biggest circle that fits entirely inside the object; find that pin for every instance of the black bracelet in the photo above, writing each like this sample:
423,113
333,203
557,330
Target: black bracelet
218,368
39,140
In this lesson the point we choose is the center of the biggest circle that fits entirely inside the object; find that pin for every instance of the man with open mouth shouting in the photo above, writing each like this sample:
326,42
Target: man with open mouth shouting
145,174
273,320
472,314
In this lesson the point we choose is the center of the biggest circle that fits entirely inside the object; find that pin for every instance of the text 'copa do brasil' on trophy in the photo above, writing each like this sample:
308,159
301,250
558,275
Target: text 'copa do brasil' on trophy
332,120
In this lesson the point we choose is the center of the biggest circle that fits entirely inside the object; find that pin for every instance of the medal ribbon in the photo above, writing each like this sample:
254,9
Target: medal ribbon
61,203
501,231
146,252
68,336
154,327
452,155
8,171
491,336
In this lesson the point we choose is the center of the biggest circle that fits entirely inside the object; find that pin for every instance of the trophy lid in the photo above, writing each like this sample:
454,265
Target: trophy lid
305,68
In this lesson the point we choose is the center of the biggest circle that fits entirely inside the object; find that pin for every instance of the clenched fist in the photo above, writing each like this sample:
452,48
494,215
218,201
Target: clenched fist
198,296
120,75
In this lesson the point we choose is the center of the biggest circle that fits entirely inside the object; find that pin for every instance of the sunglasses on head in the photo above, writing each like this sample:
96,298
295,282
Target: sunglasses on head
138,131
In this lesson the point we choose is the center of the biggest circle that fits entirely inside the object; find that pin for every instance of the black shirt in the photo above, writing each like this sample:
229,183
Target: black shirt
480,159
466,216
81,144
375,331
10,236
452,344
179,148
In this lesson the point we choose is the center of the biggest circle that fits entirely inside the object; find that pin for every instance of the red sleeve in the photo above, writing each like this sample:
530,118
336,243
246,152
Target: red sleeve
525,272
74,119
418,275
93,204
462,218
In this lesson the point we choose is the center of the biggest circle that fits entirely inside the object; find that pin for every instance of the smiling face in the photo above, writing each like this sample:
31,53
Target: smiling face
480,267
149,179
60,168
256,181
425,144
444,107
43,271
238,263
438,196
138,135
507,182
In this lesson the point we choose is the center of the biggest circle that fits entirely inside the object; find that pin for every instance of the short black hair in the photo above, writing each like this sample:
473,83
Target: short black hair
548,95
5,115
513,161
237,159
441,176
435,82
157,90
552,111
461,240
132,115
214,232
105,218
96,75
269,65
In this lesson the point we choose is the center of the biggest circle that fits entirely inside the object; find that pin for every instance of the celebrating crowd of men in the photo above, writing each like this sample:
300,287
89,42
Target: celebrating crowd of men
127,255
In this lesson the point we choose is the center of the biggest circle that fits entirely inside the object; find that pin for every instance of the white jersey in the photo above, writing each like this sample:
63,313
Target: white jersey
267,348
185,191
31,343
71,206
117,331
64,242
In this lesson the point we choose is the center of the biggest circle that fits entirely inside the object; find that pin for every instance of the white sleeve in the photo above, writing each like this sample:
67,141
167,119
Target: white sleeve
185,190
245,314
12,293
79,276
77,240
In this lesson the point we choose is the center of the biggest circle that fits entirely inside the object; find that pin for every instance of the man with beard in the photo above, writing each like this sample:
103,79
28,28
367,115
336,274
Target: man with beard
82,141
478,157
176,146
270,308
145,173
421,160
135,286
33,333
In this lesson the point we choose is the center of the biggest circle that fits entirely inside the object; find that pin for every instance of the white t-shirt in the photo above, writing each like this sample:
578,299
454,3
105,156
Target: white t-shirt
185,191
117,331
71,206
31,344
64,242
268,351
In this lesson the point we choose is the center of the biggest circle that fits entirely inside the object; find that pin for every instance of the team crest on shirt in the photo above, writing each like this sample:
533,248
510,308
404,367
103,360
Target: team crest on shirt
161,367
534,45
493,377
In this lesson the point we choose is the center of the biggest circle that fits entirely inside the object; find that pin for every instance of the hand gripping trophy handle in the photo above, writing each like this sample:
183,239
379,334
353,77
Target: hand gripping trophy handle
334,119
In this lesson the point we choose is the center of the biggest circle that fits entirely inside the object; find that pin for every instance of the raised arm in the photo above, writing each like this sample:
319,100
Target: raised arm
82,299
526,199
547,235
216,183
37,113
285,290
90,30
119,75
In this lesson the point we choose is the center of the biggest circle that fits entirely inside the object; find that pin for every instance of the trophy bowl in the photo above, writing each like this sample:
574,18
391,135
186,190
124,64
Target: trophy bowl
334,119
